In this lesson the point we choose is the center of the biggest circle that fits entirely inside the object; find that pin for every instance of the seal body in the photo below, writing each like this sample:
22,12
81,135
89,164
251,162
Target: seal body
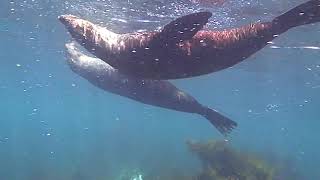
153,92
181,49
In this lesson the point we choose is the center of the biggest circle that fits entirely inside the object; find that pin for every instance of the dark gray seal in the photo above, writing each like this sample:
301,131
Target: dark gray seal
153,92
181,49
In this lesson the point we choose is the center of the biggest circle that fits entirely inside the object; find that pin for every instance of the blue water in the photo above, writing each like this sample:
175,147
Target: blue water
55,125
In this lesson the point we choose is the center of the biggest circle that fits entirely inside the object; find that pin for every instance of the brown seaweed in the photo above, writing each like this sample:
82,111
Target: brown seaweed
222,162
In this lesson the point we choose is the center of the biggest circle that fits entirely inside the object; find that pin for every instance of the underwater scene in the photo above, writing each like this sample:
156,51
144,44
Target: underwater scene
159,89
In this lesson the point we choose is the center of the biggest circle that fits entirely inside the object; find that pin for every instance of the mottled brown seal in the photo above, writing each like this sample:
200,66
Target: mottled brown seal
153,92
181,49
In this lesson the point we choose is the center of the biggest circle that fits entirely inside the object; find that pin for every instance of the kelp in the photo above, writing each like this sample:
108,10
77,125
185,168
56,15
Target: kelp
222,162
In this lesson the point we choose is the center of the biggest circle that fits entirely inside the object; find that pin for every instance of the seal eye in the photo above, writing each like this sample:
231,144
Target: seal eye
203,43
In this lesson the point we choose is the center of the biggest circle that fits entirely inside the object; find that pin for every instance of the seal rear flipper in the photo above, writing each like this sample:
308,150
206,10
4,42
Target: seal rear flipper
184,28
222,123
306,13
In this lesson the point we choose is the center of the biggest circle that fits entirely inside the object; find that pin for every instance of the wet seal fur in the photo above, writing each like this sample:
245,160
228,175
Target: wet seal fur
153,92
181,49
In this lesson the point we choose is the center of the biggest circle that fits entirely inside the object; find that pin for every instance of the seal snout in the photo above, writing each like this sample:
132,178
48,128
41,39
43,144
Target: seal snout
73,24
67,19
62,18
72,51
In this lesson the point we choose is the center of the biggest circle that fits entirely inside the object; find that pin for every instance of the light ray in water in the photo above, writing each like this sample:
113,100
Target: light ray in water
295,47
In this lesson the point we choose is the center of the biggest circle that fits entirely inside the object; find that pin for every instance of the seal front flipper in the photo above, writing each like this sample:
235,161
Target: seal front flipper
184,28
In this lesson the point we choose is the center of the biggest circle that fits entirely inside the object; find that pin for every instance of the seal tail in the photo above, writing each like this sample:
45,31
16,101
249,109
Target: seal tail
222,123
306,13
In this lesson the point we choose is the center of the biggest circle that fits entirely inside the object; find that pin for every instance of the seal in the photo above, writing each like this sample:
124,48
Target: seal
181,49
153,92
